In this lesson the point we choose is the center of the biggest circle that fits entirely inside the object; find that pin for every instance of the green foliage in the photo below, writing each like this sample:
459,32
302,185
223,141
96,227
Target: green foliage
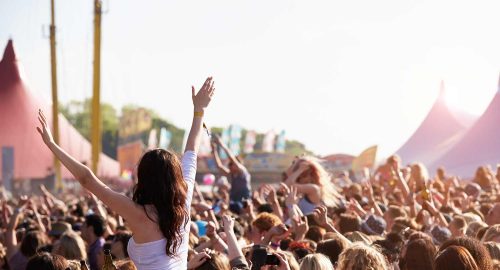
79,115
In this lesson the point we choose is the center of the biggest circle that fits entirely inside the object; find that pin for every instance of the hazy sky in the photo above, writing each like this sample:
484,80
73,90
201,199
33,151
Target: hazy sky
337,75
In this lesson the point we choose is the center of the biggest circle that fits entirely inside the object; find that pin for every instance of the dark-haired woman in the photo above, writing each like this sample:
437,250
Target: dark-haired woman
158,213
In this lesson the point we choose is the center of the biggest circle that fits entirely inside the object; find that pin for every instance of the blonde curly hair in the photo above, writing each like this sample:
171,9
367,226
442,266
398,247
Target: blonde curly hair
361,257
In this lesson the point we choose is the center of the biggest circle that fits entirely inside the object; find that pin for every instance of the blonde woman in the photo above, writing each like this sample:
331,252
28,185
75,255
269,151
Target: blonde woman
316,261
418,177
71,246
313,182
361,256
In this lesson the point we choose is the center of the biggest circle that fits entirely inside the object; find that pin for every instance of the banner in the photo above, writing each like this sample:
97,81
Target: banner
226,136
165,138
128,155
365,159
205,147
152,140
268,142
281,142
235,137
250,140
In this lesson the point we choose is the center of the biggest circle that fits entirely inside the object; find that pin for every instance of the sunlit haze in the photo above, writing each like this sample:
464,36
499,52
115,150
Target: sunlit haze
337,75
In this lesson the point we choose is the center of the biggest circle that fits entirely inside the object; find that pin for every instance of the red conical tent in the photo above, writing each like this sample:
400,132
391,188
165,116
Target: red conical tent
479,146
18,119
439,132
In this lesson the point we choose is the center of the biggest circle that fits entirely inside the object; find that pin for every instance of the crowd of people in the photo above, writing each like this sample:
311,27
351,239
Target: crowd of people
397,217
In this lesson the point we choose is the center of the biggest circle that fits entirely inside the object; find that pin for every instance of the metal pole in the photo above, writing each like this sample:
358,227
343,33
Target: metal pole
55,104
96,113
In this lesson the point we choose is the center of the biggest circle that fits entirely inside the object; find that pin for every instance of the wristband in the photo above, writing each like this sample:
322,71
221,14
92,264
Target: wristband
198,114
275,245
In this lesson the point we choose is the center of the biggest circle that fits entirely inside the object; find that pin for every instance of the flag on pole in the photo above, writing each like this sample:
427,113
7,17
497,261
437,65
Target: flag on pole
205,147
250,140
281,142
165,138
365,159
268,142
235,137
226,136
152,141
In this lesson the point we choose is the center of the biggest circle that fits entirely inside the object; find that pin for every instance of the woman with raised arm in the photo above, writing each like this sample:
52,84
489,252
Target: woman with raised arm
158,213
314,184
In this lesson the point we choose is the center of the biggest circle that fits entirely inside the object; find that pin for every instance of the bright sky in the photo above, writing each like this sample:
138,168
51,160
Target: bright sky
337,75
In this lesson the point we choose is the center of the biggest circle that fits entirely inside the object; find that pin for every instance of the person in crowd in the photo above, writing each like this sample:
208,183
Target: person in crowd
418,254
238,175
119,244
419,177
483,178
455,258
313,182
47,261
71,246
93,231
385,173
316,261
361,256
158,212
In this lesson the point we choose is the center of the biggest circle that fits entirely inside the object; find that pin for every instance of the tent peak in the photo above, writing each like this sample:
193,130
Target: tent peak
442,89
9,53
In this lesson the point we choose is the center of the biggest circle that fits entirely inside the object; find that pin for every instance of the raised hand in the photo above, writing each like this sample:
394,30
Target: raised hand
44,130
198,259
283,265
292,198
204,95
211,229
228,223
320,215
300,227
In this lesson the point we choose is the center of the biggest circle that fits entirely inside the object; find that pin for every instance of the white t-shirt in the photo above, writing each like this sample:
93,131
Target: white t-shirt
151,255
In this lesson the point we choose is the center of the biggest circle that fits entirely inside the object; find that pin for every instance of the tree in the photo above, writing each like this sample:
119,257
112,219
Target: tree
79,114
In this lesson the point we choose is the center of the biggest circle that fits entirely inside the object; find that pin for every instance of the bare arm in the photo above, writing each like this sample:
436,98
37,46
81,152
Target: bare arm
223,169
402,184
116,201
233,249
200,102
229,153
10,234
371,197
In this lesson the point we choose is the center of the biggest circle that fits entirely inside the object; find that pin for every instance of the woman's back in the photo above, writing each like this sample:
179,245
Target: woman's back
150,253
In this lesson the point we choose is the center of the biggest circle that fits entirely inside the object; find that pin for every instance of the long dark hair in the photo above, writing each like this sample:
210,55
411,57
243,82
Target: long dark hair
160,183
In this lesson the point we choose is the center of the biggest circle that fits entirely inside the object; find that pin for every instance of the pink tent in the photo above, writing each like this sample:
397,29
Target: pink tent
479,146
439,132
18,119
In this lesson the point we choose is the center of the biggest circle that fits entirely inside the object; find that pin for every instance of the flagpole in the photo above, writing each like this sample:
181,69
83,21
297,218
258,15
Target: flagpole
55,102
96,113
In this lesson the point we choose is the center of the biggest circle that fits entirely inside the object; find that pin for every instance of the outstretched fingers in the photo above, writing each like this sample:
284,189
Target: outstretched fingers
206,85
42,116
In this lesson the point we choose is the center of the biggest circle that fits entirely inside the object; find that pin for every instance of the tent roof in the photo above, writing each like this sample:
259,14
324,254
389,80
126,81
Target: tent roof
440,130
479,146
18,107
